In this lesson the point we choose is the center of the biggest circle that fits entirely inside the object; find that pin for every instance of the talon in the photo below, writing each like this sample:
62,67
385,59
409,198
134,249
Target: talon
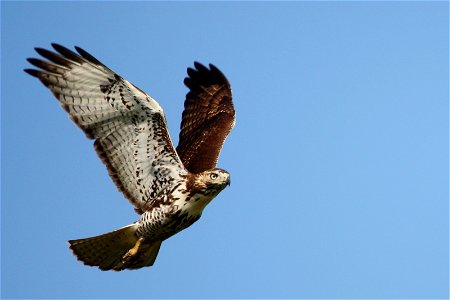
133,251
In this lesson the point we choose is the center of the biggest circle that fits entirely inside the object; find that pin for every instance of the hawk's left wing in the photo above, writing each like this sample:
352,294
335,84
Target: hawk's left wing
128,126
208,118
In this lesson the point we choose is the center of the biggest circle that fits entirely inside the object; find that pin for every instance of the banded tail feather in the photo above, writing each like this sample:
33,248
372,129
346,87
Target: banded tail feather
109,251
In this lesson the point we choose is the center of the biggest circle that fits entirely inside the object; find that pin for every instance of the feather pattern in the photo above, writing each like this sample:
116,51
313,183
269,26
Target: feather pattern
128,126
208,118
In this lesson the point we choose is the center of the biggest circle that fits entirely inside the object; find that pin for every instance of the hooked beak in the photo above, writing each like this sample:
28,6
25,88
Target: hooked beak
228,181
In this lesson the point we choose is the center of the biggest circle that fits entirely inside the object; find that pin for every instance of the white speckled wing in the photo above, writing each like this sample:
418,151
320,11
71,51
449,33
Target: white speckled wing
128,126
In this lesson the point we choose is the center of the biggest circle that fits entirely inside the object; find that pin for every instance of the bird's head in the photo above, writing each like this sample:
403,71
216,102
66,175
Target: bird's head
204,186
212,181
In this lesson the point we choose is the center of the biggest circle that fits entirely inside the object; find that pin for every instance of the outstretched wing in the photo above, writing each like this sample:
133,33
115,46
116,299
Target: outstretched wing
128,126
208,118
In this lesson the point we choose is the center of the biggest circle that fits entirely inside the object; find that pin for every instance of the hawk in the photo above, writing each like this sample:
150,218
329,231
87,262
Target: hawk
168,187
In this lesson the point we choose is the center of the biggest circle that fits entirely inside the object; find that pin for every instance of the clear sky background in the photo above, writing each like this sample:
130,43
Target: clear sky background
339,157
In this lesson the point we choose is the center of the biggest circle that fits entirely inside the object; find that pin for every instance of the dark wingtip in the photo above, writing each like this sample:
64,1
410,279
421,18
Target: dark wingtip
40,50
35,62
212,68
198,69
79,49
215,69
88,56
51,56
62,50
218,72
56,45
32,72
67,53
198,65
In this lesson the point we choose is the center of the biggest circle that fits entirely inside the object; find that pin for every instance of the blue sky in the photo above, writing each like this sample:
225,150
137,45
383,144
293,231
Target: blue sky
339,157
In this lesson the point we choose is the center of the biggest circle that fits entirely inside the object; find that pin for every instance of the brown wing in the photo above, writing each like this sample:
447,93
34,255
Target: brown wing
208,118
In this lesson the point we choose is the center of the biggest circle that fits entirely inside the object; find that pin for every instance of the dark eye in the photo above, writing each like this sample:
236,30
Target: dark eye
213,176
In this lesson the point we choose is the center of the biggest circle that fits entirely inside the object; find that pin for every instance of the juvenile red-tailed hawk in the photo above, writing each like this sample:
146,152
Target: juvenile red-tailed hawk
169,188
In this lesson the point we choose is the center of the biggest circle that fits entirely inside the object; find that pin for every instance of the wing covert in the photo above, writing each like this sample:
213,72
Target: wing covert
128,126
207,119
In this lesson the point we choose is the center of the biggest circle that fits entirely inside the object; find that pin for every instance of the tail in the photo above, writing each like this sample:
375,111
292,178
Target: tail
108,251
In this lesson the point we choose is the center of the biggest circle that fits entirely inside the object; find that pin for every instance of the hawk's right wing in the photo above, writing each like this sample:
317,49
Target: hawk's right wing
128,126
208,118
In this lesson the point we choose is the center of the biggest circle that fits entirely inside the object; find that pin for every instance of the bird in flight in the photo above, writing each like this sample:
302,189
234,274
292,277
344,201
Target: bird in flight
169,187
